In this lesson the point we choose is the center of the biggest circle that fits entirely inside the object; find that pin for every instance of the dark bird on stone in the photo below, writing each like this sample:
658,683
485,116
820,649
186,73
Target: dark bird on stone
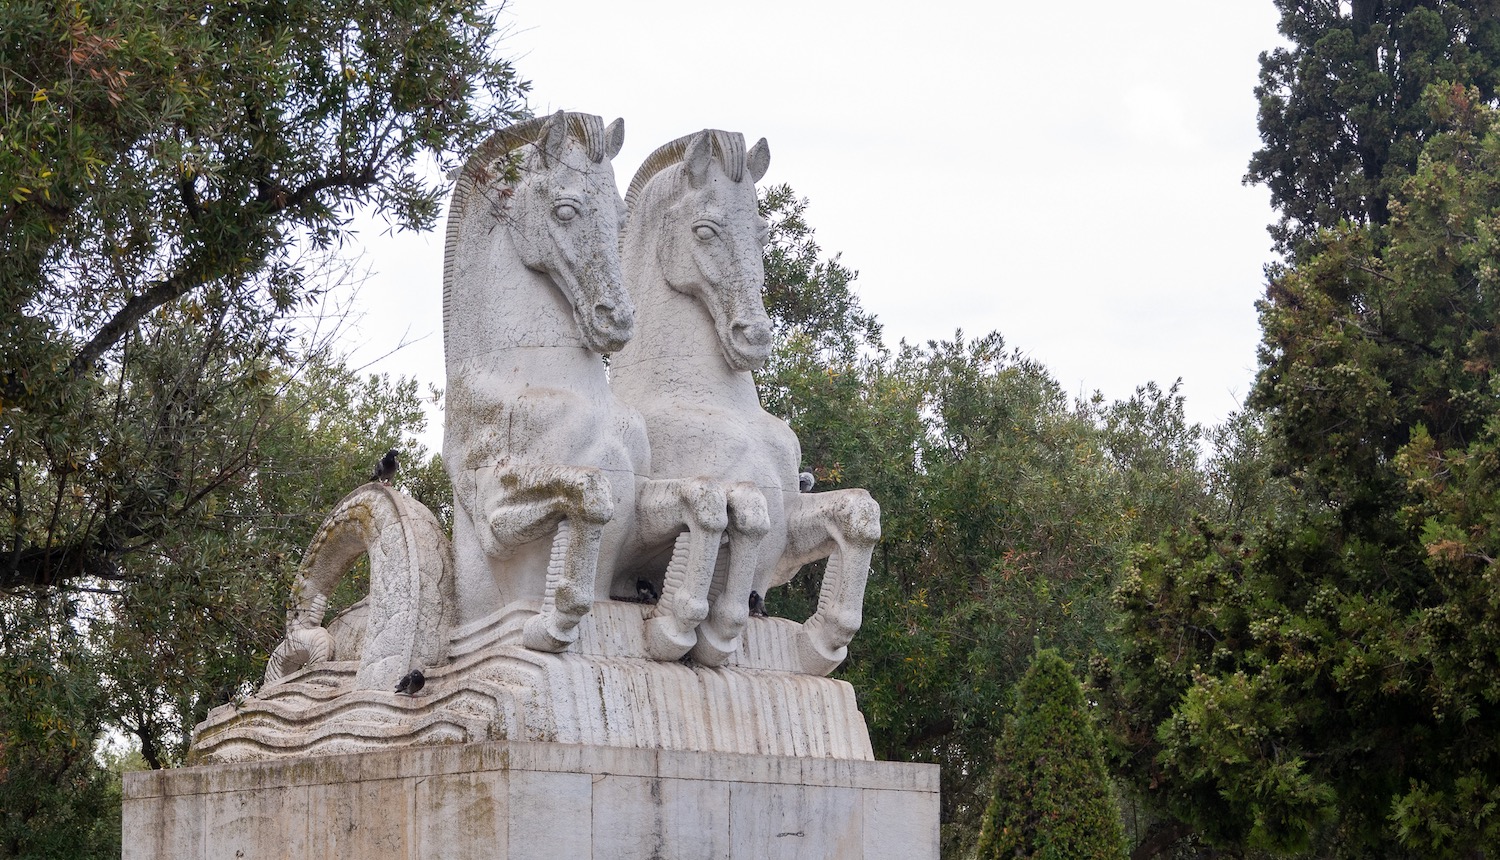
757,605
805,482
385,470
412,683
645,592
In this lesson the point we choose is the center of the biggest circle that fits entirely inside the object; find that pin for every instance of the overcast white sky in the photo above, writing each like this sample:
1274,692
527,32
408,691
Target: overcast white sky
1065,173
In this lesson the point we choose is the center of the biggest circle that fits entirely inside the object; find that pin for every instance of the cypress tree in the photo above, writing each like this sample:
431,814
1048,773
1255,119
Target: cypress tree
1341,113
1051,798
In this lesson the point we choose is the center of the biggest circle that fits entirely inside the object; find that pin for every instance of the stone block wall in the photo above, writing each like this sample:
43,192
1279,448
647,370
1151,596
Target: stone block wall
533,801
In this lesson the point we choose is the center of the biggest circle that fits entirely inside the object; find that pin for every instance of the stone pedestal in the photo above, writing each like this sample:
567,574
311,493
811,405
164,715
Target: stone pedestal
597,693
512,800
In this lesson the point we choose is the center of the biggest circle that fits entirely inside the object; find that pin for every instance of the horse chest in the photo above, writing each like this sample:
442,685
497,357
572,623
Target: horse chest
537,424
729,445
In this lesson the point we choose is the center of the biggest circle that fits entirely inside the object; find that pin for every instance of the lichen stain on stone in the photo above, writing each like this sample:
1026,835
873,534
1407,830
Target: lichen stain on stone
603,700
362,516
572,490
496,731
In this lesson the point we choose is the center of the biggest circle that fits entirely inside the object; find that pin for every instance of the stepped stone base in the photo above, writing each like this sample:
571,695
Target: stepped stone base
531,801
594,694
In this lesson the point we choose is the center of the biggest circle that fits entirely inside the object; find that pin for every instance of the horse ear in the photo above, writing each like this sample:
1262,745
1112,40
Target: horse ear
614,138
758,159
554,137
697,158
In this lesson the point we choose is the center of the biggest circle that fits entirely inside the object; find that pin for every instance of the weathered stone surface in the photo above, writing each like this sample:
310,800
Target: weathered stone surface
541,456
555,502
692,257
516,800
592,608
405,619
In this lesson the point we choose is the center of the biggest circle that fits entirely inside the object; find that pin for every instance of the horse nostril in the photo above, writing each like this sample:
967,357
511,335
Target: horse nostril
754,334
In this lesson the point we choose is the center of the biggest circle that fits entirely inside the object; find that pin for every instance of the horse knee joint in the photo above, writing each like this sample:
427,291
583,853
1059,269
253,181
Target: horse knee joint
570,600
846,623
748,512
594,502
862,520
707,505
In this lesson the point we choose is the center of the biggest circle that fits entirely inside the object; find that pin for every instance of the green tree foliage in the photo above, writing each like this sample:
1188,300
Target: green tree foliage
164,169
1324,675
808,297
826,347
1051,796
55,801
1340,107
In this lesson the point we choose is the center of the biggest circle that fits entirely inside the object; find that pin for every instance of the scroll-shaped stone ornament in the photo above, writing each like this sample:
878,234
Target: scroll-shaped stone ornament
407,615
306,641
551,471
692,252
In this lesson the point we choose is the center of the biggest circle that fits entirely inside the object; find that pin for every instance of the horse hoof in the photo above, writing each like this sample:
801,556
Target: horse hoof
538,635
815,657
665,641
713,654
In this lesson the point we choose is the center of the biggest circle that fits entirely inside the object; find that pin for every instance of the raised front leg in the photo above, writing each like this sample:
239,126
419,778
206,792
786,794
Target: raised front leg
517,505
842,526
666,507
729,597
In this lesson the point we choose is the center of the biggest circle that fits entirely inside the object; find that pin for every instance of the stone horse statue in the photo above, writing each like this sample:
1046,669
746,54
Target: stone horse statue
570,489
549,469
692,252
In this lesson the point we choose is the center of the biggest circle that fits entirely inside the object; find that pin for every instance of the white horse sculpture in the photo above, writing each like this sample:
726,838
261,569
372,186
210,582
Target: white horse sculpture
693,261
549,469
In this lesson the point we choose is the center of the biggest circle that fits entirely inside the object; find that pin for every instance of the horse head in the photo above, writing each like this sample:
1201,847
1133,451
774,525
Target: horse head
556,194
710,235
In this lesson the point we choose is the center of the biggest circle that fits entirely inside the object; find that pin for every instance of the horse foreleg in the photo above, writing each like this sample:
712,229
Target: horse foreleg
843,526
666,507
729,597
572,502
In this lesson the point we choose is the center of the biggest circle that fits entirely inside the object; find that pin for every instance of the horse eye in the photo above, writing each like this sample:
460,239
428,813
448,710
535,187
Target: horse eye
705,232
565,211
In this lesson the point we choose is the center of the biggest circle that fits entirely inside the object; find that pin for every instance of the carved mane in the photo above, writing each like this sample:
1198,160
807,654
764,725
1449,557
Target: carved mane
728,149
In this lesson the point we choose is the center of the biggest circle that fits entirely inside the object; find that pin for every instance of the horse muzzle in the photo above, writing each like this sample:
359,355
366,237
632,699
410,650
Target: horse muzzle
608,326
749,344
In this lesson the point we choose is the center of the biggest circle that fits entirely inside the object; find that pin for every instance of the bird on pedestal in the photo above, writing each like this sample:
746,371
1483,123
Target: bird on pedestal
385,470
411,683
645,591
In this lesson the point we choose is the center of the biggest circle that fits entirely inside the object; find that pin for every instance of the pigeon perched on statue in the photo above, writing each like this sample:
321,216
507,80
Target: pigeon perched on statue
385,470
805,481
412,683
645,592
757,605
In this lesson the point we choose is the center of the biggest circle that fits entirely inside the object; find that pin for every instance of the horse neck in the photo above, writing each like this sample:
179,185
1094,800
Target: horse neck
676,349
501,317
